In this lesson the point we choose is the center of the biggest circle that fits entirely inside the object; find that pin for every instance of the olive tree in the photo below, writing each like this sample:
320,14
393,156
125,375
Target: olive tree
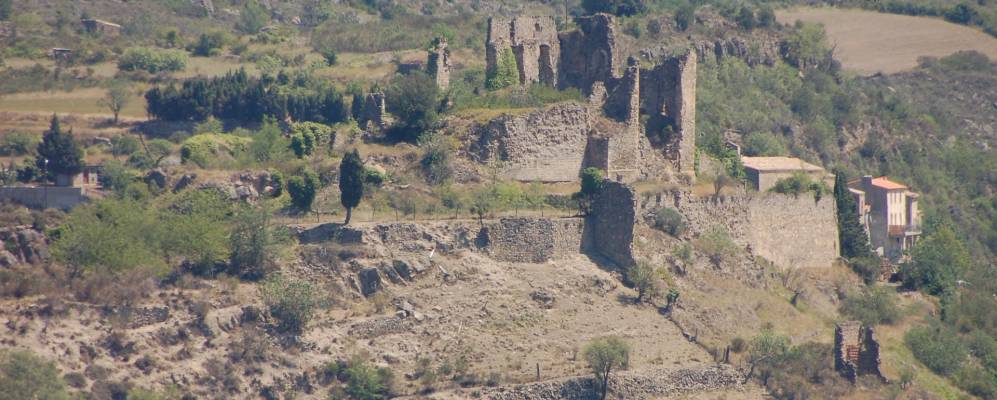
604,355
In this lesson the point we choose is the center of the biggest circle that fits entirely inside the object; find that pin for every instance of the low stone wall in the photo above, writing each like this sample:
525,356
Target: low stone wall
527,240
648,384
532,240
791,231
61,197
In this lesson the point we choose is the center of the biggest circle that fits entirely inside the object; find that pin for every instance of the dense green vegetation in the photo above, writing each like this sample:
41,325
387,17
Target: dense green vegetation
237,96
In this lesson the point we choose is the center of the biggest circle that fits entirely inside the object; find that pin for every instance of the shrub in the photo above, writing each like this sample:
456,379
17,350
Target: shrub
616,7
716,244
152,60
110,236
209,149
302,189
592,179
938,348
645,280
685,16
255,243
759,144
24,375
670,221
800,183
252,18
746,18
504,73
876,305
437,152
366,382
18,144
414,99
210,44
291,301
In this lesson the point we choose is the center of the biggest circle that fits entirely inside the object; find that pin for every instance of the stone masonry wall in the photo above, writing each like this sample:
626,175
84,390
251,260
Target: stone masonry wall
795,232
589,54
532,240
856,350
668,97
438,64
547,145
611,223
534,42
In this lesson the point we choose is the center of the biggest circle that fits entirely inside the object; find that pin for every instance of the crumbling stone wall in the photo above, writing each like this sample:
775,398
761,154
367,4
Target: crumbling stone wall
438,64
532,240
795,232
533,41
589,54
856,350
547,145
611,223
373,110
668,97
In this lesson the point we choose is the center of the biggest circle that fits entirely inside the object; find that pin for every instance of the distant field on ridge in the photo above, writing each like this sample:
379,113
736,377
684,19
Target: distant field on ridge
869,42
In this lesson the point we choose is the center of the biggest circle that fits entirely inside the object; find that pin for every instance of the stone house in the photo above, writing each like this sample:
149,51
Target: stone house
764,172
66,192
888,210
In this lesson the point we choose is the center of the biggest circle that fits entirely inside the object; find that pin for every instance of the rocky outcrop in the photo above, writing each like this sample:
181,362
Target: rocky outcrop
757,51
22,245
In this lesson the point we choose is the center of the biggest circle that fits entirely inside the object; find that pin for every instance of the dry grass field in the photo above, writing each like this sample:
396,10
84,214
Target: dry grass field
870,42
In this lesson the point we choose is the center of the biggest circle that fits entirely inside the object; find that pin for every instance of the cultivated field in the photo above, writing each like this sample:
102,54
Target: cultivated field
870,42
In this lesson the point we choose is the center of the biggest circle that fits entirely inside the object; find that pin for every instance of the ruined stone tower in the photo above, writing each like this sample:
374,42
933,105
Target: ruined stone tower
438,64
533,41
856,350
374,110
668,97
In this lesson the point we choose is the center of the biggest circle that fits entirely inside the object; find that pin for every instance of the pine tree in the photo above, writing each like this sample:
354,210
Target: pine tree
851,235
58,153
351,171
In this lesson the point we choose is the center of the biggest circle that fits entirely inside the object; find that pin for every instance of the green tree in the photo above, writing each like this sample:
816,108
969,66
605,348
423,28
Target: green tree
23,375
413,98
252,18
873,306
366,382
851,234
807,48
351,174
254,242
293,302
766,17
268,143
685,16
108,237
604,355
116,99
937,347
504,73
5,9
58,152
198,228
746,18
645,280
763,144
303,188
937,261
716,244
622,8
592,179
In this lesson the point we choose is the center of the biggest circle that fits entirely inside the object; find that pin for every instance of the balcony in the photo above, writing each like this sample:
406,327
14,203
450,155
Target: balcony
904,230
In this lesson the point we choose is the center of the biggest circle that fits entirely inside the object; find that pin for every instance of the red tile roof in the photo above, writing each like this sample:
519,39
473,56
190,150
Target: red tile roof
884,183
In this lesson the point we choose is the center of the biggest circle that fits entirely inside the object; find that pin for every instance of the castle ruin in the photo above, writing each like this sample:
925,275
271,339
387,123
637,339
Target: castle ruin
438,63
639,119
856,350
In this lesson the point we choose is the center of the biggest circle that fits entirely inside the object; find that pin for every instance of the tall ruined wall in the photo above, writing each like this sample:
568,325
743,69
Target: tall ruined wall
668,97
43,197
547,145
534,42
856,350
611,223
589,54
794,232
438,63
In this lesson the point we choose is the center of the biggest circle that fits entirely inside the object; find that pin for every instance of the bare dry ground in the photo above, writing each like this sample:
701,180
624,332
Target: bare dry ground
869,42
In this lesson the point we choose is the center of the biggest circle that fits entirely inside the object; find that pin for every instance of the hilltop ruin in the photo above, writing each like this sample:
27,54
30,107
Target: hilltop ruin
639,122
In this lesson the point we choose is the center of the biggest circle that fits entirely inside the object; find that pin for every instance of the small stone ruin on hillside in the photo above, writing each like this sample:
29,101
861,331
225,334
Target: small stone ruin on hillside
639,122
856,350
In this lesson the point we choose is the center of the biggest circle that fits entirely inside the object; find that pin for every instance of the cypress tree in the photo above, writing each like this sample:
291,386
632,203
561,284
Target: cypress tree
851,235
351,172
58,153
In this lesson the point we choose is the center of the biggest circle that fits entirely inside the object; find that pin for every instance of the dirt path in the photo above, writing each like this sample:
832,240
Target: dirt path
869,42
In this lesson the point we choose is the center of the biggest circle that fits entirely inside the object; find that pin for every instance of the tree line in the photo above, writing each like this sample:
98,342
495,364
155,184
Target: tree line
237,96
